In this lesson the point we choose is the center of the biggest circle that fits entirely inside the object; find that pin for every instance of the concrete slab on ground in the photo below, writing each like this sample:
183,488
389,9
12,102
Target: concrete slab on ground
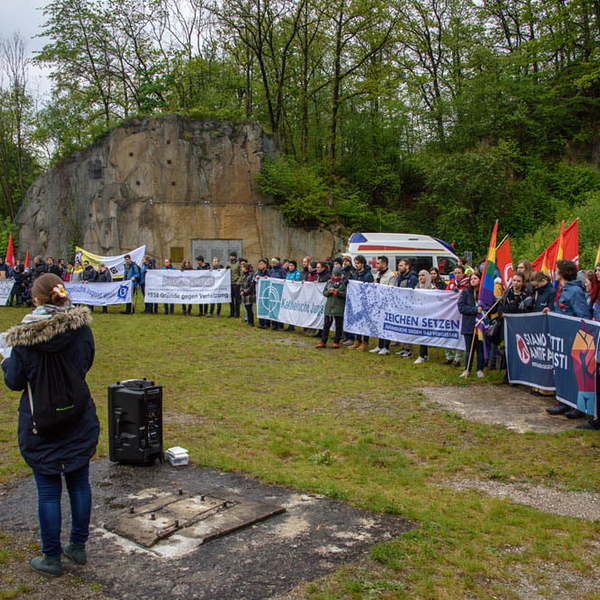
309,540
507,405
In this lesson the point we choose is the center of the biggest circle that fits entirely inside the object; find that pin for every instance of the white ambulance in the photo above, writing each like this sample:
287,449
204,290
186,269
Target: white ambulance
423,251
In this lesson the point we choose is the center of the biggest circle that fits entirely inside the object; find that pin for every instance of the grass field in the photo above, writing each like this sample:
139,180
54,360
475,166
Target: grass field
352,426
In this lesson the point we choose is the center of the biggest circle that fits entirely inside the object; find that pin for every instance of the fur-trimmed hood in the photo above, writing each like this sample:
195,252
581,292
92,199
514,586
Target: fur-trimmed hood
41,332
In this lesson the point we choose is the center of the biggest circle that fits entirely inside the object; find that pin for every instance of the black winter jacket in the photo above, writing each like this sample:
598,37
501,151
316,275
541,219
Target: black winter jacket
69,334
89,274
366,276
103,277
467,307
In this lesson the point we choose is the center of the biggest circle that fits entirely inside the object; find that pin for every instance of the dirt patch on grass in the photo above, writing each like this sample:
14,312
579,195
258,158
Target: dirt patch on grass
545,581
510,406
583,505
19,581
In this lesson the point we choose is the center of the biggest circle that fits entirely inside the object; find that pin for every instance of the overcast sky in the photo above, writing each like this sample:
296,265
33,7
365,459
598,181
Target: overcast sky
25,17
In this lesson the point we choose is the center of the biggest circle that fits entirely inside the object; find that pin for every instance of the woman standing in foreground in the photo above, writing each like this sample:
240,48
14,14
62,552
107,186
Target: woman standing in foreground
55,331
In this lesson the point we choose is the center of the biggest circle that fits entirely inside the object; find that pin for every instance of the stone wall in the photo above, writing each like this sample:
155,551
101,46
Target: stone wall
164,182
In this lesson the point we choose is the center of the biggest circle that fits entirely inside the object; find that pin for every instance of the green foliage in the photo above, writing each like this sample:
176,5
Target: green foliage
389,120
7,227
308,199
588,212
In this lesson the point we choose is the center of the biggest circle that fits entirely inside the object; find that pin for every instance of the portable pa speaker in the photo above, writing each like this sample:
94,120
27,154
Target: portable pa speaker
135,425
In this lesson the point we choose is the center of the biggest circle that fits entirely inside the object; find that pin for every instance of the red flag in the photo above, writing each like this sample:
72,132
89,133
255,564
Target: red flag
571,242
10,252
546,261
504,261
27,260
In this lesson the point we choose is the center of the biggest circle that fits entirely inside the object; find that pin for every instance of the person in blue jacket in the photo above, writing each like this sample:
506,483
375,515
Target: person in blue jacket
292,275
131,271
55,327
292,271
406,278
572,301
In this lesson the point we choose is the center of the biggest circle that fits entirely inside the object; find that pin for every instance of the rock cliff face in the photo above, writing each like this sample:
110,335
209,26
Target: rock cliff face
179,186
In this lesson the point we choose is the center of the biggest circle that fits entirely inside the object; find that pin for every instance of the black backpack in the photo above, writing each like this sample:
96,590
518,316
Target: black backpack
60,396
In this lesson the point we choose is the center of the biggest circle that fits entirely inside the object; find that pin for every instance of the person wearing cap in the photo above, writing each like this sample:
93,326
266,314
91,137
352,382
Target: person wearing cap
335,292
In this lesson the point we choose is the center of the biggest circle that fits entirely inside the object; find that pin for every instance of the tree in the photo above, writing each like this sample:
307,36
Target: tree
18,163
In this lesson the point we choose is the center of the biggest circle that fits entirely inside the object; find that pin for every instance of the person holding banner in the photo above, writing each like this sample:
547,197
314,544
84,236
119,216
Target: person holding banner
262,272
424,284
248,292
276,272
573,303
202,265
148,263
236,272
168,308
384,277
572,299
335,292
215,266
186,309
543,293
363,274
131,271
513,300
595,294
471,311
436,279
103,276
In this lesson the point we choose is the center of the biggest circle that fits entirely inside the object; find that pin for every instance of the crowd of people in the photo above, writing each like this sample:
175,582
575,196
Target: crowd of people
58,329
574,293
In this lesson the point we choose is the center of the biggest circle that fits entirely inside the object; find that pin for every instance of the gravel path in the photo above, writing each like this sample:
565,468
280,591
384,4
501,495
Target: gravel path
583,505
508,405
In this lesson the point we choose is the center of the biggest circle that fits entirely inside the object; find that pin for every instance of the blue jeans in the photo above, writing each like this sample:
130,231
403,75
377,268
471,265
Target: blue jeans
49,489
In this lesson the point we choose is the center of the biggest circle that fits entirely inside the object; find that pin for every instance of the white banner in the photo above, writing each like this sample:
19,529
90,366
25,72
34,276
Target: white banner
428,317
115,264
171,286
6,285
100,294
294,302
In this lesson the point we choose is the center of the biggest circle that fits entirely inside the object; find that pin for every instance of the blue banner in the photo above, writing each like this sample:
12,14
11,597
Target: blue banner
529,358
555,352
574,343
